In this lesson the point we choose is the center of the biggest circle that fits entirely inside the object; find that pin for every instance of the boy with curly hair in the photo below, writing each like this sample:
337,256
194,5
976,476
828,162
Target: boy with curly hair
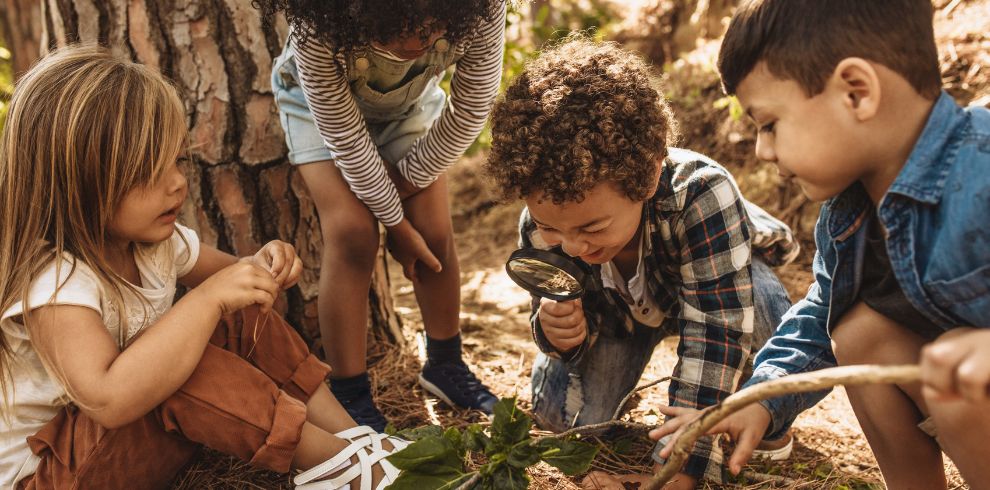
846,96
581,135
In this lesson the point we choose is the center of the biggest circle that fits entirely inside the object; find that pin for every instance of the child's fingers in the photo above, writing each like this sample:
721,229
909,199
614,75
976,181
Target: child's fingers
276,260
295,272
671,411
668,448
745,445
973,378
939,362
557,308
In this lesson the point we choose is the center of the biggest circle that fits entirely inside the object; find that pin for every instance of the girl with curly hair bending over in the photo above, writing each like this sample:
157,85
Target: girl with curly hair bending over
583,137
372,134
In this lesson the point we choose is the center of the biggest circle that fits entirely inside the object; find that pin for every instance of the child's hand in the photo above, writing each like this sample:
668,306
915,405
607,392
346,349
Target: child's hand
746,427
563,323
957,364
408,247
281,260
239,285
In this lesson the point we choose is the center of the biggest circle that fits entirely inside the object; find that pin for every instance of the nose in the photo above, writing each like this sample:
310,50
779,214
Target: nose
574,247
177,182
764,148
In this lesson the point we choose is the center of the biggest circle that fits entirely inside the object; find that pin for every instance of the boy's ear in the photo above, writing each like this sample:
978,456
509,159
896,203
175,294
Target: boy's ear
857,81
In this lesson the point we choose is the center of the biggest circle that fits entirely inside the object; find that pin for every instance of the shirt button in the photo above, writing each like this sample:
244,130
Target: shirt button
361,64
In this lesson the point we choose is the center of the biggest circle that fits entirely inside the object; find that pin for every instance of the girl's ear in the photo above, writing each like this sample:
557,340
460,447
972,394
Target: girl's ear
857,82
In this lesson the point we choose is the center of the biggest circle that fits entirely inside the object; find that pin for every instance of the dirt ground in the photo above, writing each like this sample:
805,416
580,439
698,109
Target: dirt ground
830,452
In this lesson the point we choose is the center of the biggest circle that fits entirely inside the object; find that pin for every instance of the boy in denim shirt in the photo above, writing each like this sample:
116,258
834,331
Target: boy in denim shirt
846,96
672,246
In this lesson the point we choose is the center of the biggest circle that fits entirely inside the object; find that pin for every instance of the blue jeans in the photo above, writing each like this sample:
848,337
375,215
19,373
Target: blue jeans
570,396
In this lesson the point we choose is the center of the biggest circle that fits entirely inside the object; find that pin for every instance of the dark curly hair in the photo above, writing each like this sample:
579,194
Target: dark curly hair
580,114
347,24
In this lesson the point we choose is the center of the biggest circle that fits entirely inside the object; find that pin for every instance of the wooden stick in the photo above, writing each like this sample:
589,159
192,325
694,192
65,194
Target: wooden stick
796,383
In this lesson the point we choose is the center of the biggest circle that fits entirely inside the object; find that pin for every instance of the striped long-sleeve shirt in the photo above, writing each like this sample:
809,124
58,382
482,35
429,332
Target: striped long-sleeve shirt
472,91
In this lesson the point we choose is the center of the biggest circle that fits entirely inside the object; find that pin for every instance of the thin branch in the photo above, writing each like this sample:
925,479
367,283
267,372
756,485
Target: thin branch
598,429
470,483
796,383
618,410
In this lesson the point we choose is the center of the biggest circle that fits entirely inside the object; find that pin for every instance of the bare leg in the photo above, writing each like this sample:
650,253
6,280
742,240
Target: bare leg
438,294
350,245
325,412
889,415
964,429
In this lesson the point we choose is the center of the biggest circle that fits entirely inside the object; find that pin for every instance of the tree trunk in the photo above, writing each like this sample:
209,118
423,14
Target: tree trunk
21,24
242,190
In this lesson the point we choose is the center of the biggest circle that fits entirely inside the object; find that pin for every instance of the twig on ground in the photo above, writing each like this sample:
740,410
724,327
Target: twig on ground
796,383
618,410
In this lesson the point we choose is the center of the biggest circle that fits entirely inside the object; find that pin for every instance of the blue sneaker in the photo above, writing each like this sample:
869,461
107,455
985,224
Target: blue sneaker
454,383
361,407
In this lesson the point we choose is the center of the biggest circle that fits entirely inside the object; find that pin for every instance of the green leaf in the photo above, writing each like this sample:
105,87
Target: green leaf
417,433
414,481
507,477
453,437
523,456
430,455
570,457
510,424
475,439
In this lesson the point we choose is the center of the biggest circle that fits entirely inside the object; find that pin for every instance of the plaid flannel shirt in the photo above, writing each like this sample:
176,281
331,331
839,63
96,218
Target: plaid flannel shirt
702,234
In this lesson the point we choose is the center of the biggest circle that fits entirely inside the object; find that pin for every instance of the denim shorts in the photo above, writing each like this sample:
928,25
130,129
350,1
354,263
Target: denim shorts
393,138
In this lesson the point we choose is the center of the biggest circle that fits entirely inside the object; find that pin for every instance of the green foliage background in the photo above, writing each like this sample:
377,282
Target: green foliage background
6,78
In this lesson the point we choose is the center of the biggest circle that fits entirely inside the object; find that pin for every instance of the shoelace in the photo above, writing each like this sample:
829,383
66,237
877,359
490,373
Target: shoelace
464,380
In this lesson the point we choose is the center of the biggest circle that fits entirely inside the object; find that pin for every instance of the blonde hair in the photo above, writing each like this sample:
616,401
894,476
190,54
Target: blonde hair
83,129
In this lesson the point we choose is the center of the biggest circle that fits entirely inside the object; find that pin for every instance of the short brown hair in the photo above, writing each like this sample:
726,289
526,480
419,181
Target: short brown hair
582,113
803,40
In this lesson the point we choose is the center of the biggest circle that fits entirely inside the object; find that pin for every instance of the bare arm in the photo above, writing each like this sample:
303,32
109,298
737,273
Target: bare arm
116,387
210,262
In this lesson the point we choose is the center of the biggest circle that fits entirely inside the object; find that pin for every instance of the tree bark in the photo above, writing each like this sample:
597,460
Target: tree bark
242,190
21,23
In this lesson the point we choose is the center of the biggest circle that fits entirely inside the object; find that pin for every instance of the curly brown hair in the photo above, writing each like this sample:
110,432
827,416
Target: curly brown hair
582,113
348,24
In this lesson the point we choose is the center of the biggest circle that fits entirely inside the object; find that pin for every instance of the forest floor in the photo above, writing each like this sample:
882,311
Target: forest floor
830,449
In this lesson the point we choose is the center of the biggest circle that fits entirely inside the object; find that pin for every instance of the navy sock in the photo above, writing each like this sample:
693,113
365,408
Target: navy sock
349,387
443,350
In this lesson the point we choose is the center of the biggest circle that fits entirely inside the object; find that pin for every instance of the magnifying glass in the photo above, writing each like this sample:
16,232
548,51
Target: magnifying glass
547,273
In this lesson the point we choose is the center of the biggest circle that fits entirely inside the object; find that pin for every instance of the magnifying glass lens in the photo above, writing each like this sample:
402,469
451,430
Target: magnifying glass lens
546,274
545,277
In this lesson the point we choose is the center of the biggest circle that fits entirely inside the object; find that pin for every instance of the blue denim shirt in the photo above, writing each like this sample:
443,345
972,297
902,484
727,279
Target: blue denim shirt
937,215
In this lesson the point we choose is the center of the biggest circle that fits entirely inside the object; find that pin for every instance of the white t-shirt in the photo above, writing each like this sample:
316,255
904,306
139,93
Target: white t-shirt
642,305
37,396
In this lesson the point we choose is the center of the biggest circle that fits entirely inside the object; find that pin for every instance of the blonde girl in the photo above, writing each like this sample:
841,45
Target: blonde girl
106,383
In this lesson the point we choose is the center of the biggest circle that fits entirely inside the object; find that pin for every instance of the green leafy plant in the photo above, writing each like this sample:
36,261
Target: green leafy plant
437,458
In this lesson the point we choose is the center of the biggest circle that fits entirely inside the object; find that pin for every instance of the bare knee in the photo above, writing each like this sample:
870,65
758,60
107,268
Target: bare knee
441,242
863,336
351,240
